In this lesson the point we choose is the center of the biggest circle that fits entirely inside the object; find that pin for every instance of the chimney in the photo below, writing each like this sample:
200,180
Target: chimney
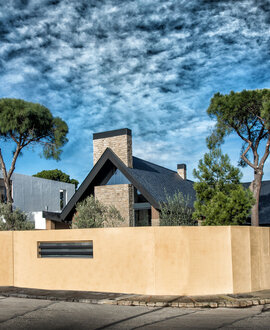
182,170
119,141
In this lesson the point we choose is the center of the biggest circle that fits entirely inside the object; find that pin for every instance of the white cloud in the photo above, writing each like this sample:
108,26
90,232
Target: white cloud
147,65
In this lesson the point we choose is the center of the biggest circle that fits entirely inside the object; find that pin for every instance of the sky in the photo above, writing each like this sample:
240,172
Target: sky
148,65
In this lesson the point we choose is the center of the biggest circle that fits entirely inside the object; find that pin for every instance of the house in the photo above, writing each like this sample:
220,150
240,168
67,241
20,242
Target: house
34,195
134,186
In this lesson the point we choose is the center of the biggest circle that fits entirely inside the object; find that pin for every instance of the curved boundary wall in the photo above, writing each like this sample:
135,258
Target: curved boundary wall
145,260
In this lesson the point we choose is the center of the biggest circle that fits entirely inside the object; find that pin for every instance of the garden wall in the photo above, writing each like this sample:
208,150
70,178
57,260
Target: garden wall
145,260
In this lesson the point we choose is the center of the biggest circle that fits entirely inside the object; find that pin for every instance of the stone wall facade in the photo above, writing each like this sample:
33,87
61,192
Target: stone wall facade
121,196
121,145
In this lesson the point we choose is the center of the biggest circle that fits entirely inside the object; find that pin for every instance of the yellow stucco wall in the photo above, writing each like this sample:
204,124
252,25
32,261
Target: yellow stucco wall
250,258
146,260
6,258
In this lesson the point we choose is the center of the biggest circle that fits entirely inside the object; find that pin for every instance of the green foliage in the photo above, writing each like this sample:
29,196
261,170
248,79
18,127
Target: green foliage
220,198
247,113
90,213
30,123
56,175
176,211
16,220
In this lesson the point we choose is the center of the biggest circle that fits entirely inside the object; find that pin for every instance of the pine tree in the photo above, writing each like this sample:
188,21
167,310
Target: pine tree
220,198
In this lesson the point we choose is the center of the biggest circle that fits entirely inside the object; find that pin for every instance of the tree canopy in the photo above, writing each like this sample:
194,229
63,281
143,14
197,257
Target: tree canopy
247,114
56,175
220,198
29,124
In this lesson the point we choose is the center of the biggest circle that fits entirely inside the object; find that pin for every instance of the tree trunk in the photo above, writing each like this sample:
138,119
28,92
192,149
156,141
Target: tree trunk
8,186
255,187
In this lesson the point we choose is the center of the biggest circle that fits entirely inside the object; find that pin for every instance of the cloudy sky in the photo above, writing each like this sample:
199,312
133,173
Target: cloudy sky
149,65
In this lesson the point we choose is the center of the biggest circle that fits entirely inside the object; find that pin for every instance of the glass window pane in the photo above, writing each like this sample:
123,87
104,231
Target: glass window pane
117,178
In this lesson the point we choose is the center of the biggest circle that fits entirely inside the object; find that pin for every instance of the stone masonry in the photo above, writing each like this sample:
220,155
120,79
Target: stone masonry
121,145
155,216
121,196
182,170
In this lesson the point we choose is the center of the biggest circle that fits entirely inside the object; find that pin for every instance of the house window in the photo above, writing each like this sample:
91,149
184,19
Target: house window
117,178
63,198
142,217
3,193
138,197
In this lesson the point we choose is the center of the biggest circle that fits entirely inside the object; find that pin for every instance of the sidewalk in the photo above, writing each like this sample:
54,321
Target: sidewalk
211,301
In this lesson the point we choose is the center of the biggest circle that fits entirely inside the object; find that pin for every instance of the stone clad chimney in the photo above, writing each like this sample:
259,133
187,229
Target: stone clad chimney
119,141
182,170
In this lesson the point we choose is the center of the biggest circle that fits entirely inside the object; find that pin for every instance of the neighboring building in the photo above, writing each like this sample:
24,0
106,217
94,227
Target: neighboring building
134,186
34,195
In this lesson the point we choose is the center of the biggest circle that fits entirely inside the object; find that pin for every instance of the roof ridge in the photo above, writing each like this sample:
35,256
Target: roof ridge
155,164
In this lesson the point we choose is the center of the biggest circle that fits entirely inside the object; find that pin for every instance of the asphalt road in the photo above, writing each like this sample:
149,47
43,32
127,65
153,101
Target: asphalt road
19,313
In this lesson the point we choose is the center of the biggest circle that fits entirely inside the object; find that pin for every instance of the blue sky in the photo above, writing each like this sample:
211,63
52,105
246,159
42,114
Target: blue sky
148,65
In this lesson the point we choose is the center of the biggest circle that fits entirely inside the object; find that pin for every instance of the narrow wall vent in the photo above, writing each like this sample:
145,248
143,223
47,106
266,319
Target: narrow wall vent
65,249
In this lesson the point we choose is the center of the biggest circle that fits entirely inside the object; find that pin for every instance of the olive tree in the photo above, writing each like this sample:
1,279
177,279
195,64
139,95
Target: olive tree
91,213
16,220
176,211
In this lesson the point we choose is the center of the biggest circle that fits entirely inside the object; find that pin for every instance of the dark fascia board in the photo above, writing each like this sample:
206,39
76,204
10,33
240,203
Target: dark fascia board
107,155
116,132
55,216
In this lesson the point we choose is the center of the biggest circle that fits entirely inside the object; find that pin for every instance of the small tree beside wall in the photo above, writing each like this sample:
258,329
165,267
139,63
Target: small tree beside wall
16,220
176,211
90,213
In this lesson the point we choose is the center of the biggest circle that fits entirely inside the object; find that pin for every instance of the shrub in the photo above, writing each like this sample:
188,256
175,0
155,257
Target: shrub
176,211
13,220
90,213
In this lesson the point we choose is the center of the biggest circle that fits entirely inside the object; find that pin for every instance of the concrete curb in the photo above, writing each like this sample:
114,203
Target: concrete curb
149,301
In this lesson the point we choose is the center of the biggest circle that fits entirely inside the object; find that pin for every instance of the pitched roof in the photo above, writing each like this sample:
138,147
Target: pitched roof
160,181
153,181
